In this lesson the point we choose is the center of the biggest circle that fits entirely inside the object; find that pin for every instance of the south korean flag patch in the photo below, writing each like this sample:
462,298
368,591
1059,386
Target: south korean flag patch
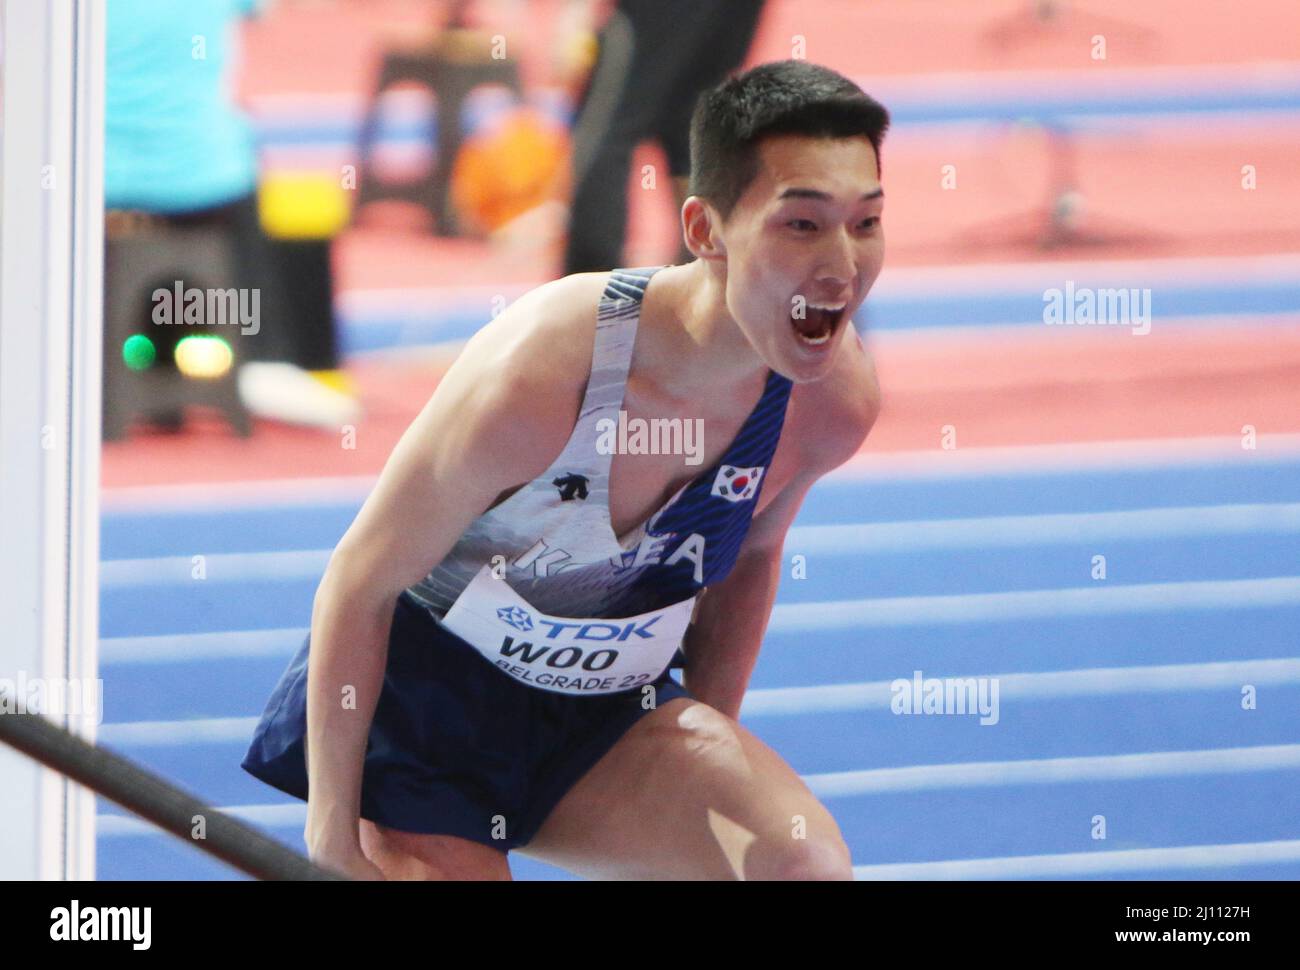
737,484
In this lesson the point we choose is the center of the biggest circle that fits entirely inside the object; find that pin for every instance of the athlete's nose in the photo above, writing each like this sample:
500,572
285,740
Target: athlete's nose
838,269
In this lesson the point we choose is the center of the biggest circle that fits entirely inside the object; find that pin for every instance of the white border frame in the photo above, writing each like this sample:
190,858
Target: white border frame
51,277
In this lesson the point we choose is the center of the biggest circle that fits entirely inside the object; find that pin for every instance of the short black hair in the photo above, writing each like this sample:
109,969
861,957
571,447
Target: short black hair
790,97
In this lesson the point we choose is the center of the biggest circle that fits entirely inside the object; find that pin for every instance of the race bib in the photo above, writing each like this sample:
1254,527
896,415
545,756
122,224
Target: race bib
565,654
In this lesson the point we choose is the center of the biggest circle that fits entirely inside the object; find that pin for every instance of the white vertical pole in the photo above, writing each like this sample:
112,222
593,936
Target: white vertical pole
86,392
51,252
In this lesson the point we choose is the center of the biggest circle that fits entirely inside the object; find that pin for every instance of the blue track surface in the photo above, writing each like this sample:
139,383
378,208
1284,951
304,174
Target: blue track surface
1199,601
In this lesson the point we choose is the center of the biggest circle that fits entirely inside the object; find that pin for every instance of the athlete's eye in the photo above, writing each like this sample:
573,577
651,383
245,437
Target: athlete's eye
870,222
802,224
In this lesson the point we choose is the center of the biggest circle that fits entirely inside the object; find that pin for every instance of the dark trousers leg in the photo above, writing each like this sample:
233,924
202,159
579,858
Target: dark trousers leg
605,134
256,262
598,217
656,56
253,259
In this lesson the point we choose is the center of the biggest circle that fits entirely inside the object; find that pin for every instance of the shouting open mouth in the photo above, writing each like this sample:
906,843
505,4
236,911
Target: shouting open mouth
819,322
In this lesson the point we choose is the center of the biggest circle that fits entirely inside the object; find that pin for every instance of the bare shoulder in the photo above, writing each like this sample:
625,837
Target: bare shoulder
545,339
551,326
532,362
497,419
834,415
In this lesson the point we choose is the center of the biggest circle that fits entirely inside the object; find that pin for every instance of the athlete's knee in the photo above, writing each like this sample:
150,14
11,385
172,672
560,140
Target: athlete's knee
689,726
822,857
708,729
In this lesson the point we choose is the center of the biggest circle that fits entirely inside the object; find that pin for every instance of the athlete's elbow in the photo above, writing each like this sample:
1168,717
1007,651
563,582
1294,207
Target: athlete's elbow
760,556
348,585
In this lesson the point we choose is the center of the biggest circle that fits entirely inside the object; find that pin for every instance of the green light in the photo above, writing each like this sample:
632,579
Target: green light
138,352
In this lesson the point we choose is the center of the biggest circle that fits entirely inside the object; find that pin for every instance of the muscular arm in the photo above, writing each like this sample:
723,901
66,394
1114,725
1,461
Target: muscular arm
497,419
721,646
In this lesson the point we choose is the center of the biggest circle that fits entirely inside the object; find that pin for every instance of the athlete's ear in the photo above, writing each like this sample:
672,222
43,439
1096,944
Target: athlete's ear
700,223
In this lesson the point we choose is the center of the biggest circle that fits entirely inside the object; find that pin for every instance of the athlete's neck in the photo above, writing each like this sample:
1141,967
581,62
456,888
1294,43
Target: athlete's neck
701,348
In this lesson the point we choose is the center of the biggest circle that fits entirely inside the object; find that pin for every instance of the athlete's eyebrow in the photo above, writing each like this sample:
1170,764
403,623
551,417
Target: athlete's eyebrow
796,193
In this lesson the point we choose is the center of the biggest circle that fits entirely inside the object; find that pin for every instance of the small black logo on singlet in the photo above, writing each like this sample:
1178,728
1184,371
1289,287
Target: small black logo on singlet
571,486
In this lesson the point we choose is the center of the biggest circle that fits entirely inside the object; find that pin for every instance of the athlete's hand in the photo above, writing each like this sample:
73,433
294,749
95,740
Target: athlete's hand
350,862
339,851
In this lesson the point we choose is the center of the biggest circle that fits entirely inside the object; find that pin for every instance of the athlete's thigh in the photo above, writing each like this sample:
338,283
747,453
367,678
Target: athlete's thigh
689,793
411,855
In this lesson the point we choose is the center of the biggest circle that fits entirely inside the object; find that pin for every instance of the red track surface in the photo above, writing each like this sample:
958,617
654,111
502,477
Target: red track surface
1170,193
1051,385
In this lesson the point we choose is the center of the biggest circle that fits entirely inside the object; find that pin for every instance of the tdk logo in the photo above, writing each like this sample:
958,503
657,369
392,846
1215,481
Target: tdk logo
595,631
517,618
564,644
531,653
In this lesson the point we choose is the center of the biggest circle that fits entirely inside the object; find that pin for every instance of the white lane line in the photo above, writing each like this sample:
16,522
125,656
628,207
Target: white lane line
1055,771
294,815
1018,687
1016,460
1041,529
182,500
1107,681
977,280
784,701
1008,330
183,647
300,564
170,734
793,618
1092,863
1026,461
1044,604
268,816
849,538
1126,82
974,87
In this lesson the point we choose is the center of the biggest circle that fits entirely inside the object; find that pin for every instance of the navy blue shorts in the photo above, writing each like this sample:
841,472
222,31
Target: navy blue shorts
456,746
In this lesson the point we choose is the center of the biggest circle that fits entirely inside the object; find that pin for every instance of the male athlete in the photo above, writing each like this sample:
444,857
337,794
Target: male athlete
488,664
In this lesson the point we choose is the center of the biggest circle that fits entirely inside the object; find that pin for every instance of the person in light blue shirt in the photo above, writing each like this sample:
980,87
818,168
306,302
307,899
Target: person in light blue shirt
174,140
179,153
